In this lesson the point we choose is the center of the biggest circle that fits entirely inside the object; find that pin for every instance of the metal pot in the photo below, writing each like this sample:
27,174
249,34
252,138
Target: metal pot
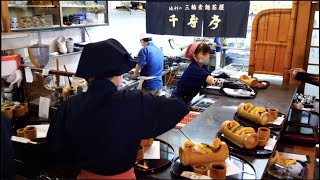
39,54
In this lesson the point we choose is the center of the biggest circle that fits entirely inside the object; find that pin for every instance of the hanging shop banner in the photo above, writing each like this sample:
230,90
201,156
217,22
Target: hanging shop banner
198,18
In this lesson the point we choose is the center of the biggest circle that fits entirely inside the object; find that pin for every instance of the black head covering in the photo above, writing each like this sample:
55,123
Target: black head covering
104,59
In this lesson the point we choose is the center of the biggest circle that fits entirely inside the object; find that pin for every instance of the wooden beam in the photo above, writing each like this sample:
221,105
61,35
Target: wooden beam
5,16
301,34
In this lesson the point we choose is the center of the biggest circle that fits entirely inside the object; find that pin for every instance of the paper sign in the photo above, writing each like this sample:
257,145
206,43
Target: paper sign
28,74
44,105
232,168
213,87
62,81
152,152
8,67
42,130
294,156
192,175
278,121
45,72
270,143
20,139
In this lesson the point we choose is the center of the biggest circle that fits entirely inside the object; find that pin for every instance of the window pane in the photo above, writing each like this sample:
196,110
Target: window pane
315,38
313,69
312,90
314,56
316,19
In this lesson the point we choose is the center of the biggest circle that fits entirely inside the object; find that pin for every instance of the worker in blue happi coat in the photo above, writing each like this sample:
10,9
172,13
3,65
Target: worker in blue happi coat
150,66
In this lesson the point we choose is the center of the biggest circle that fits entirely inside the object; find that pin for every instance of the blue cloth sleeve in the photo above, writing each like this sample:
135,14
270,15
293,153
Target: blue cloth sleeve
142,57
217,41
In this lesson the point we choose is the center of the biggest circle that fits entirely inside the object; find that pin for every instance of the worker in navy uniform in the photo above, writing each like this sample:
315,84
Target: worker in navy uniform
7,151
150,62
197,74
101,129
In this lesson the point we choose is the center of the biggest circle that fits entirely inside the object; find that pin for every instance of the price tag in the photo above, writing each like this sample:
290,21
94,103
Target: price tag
20,139
279,120
28,74
45,72
270,143
44,105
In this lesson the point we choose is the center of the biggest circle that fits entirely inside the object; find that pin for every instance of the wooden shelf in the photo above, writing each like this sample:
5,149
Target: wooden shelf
84,25
36,29
81,6
67,54
59,27
31,6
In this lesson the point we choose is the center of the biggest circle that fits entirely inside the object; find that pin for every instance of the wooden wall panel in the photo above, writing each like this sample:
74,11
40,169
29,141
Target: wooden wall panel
269,58
269,41
283,29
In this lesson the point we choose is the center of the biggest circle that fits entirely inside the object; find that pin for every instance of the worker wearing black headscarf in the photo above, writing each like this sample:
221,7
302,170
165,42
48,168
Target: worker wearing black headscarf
101,129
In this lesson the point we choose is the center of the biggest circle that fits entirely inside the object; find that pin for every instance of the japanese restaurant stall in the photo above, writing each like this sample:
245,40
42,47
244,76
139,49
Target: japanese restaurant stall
254,126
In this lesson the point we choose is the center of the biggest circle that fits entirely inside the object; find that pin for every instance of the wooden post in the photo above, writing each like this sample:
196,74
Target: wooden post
292,28
301,34
5,16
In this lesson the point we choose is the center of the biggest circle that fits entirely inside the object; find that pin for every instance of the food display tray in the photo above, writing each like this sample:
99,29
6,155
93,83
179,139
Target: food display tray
221,90
154,165
270,174
258,151
246,122
265,87
248,171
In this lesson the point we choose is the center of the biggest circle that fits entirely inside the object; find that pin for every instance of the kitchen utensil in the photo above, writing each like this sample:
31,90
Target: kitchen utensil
39,54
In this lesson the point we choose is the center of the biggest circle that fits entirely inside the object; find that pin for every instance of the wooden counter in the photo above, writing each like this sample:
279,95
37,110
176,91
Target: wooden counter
205,127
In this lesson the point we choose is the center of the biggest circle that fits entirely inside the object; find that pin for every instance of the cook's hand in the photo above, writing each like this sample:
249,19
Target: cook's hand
315,78
291,71
135,75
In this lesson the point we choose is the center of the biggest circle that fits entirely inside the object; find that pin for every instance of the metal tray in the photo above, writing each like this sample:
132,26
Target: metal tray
154,165
239,97
258,151
248,170
297,177
246,122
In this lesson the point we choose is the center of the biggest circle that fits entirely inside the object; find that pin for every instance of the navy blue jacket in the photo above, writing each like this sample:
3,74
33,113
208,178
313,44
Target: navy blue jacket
7,151
191,81
102,128
150,58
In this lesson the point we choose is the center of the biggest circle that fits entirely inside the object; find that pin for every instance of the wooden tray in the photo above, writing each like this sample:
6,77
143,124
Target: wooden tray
246,122
258,151
154,165
248,170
